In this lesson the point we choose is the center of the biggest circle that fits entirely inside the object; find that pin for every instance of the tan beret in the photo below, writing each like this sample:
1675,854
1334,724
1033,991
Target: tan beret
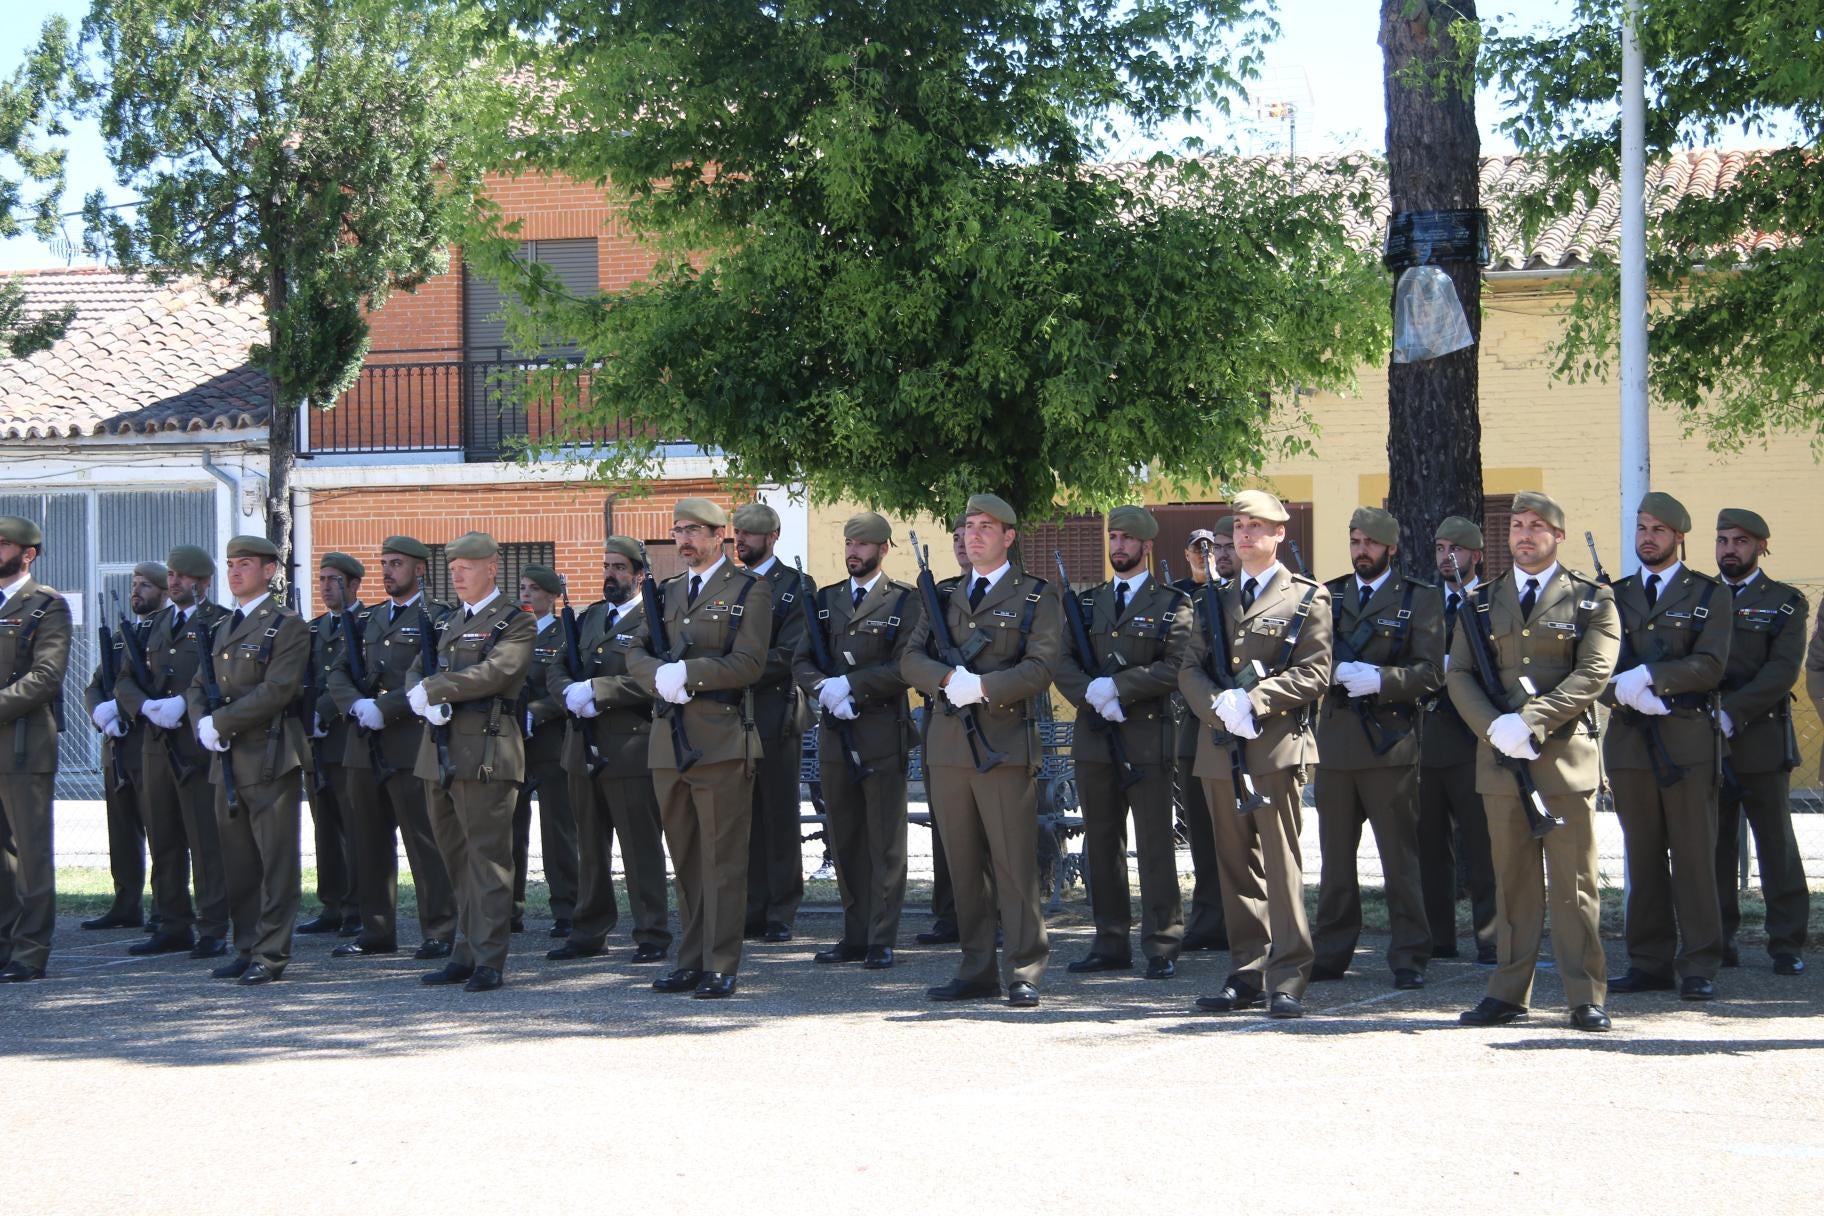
868,527
543,577
700,511
991,504
406,546
191,561
21,531
1377,525
1261,505
1137,522
472,546
154,573
957,520
252,546
1226,526
755,517
1460,531
343,562
628,548
1542,505
1746,520
1667,510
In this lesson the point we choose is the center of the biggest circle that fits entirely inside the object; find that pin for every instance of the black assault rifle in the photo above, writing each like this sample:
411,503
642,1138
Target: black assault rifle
1216,635
654,606
824,661
573,667
427,663
212,701
108,676
141,665
1127,775
1667,772
952,655
355,653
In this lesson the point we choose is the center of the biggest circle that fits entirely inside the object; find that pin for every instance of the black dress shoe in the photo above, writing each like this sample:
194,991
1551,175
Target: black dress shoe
260,973
1407,980
1486,956
154,923
1590,1017
358,949
1022,995
1160,968
1100,962
569,950
714,986
942,933
1209,942
1444,952
1732,954
485,979
113,920
1696,988
648,954
841,952
209,947
162,943
1788,964
1320,972
752,933
322,922
776,931
963,990
1639,981
561,927
1492,1012
1233,996
20,973
878,958
684,979
351,927
233,969
1285,1005
517,925
432,949
449,973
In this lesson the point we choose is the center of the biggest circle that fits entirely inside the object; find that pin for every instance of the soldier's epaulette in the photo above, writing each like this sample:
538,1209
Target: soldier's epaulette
743,571
1578,576
1338,584
947,585
1420,583
1702,577
1306,579
1176,593
896,584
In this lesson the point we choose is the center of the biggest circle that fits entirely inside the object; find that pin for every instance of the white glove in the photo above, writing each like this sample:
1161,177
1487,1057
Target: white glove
1511,736
1359,679
1648,702
418,699
528,724
1726,722
1630,684
367,712
590,710
833,692
846,711
1446,660
164,714
205,735
317,729
964,688
1112,710
579,699
106,717
669,680
437,715
1100,692
1229,705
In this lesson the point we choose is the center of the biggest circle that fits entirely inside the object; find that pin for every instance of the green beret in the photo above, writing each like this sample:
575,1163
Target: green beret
406,546
21,531
755,517
543,577
471,546
191,561
1460,531
991,504
628,548
1746,520
1542,505
1137,522
154,573
1225,526
1377,525
1261,505
700,511
957,520
1667,510
343,562
869,527
252,546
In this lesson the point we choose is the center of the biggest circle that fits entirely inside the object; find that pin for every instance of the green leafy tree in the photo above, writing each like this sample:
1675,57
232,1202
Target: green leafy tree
32,177
891,268
1734,333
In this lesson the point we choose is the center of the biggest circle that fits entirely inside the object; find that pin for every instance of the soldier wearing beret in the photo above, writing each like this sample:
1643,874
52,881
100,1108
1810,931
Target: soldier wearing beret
1449,805
177,795
1765,652
245,717
544,719
34,656
1204,927
1389,655
605,753
1553,635
775,869
339,590
1277,627
864,739
943,893
387,801
1138,633
472,756
987,808
1663,755
718,624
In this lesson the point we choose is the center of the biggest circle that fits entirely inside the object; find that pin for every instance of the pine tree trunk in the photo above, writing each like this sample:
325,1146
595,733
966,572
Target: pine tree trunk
1434,433
282,440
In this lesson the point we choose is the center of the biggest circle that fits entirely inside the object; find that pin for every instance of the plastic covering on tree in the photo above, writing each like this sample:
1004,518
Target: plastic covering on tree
1428,318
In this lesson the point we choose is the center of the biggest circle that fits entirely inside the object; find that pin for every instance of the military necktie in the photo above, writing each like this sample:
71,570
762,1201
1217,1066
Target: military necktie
1652,589
1450,619
468,614
696,588
1247,593
392,613
977,592
1528,598
613,613
1367,593
861,593
234,622
1120,599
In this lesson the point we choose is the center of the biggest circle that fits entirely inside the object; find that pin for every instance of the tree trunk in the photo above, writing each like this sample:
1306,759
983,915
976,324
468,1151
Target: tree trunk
282,439
1434,432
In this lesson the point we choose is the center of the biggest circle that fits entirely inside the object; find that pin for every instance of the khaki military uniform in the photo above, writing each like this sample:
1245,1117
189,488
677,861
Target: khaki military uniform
327,790
775,869
259,667
1142,650
618,800
32,672
1449,806
1262,870
122,779
707,809
543,719
990,820
385,794
943,891
1368,767
1204,925
1674,919
1570,664
865,813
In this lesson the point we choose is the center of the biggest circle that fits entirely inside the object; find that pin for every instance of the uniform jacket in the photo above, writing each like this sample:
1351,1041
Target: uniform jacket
622,728
1686,654
31,677
717,676
327,643
866,643
389,648
545,743
130,745
1188,726
1766,648
778,707
1279,701
1410,654
259,667
481,666
1569,669
1444,740
171,653
1814,672
1141,651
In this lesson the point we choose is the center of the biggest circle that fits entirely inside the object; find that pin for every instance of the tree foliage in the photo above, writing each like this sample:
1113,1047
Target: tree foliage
1735,333
32,177
891,268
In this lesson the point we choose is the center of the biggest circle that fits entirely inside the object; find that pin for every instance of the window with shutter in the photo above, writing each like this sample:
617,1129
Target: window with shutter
501,402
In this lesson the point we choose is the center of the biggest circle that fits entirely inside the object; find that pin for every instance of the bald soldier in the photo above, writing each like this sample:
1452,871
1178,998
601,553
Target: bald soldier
1204,927
1259,740
241,700
1552,635
1765,653
1138,633
984,752
339,577
716,625
34,657
1663,755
